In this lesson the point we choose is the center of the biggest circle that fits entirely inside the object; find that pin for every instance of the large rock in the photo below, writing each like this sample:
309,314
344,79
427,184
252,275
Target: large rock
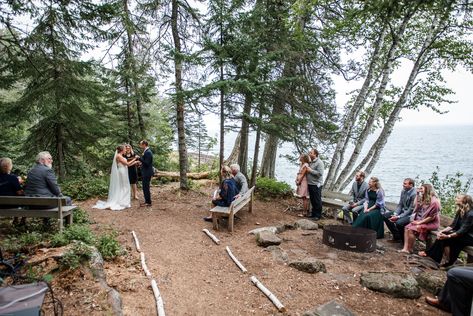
306,224
332,308
267,238
431,281
279,254
272,229
308,265
400,285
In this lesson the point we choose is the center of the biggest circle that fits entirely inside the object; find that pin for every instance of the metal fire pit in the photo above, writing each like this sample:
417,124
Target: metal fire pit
349,238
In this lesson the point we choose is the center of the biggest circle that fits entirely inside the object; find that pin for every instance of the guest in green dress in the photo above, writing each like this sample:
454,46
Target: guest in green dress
372,217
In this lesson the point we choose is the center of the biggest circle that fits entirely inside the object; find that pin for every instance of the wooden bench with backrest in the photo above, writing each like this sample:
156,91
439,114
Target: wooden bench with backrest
230,211
27,206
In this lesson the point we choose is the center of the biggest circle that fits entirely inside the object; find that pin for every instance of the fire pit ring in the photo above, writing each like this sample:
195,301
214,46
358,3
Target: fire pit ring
349,238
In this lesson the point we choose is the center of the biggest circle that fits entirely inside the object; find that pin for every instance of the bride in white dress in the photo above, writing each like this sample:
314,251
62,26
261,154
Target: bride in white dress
119,189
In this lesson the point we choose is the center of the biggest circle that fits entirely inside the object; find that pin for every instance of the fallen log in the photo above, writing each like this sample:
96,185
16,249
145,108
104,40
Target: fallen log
212,236
237,262
268,293
137,243
175,175
158,298
143,264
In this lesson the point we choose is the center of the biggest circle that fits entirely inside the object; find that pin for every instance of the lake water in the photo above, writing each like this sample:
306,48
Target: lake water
410,152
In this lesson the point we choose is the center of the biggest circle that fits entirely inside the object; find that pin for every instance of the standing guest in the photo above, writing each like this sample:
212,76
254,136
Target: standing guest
358,194
372,217
10,185
240,179
302,190
227,191
132,171
425,217
452,239
455,296
398,219
42,181
147,171
315,175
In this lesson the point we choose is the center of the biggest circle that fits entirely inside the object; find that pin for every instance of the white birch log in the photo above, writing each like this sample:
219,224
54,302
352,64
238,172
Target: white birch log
212,236
158,297
238,263
143,264
268,293
137,243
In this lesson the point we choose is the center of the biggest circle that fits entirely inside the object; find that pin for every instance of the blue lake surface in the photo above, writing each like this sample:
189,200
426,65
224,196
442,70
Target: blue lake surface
410,152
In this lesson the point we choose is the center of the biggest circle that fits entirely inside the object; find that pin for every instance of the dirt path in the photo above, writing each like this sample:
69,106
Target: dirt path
196,277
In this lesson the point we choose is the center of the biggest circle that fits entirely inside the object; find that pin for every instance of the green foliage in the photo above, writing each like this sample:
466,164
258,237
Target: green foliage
109,246
448,188
271,188
80,216
73,232
84,188
21,242
73,258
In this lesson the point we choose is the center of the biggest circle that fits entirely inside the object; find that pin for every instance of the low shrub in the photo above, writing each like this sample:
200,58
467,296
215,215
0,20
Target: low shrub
109,246
271,188
84,188
74,232
80,216
73,258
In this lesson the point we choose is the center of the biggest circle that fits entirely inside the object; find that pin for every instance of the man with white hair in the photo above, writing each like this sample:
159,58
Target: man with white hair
42,181
240,179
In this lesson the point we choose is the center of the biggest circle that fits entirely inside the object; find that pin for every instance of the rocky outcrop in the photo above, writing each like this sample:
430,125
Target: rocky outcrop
401,285
431,281
272,229
306,224
267,238
308,265
332,308
279,254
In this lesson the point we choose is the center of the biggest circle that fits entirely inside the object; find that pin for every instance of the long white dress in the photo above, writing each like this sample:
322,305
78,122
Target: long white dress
119,196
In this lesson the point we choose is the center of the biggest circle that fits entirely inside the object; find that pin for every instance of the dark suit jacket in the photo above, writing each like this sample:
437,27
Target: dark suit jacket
147,163
42,181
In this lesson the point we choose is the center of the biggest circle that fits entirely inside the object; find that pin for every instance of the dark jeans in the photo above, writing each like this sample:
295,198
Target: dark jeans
146,181
456,293
397,227
315,194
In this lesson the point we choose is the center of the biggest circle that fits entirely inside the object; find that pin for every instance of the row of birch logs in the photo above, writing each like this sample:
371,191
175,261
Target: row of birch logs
154,285
253,279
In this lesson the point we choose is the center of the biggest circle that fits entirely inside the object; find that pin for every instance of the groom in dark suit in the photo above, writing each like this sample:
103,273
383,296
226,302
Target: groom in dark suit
147,171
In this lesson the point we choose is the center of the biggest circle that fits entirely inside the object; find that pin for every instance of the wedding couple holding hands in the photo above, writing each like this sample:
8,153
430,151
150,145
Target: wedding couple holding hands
123,177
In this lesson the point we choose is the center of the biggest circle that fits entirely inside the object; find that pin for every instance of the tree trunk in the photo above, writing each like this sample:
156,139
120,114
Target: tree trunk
179,97
133,70
374,153
245,131
233,157
373,113
128,111
268,163
349,119
254,171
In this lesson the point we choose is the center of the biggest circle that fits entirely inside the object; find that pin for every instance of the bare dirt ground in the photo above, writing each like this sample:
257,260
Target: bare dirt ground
197,277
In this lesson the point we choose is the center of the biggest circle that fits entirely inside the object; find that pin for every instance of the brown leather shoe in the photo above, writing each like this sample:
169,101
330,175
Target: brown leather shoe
433,301
145,205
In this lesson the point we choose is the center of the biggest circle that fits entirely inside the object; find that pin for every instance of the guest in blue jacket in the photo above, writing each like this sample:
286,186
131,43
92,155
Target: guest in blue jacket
227,191
372,217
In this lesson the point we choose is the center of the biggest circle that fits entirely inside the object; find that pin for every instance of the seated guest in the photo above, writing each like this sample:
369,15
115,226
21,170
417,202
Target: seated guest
371,216
227,191
455,296
398,219
357,192
10,185
240,179
425,217
42,181
452,239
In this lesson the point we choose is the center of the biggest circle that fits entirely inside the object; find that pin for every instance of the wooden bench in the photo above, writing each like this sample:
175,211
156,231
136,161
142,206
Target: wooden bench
24,206
230,211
